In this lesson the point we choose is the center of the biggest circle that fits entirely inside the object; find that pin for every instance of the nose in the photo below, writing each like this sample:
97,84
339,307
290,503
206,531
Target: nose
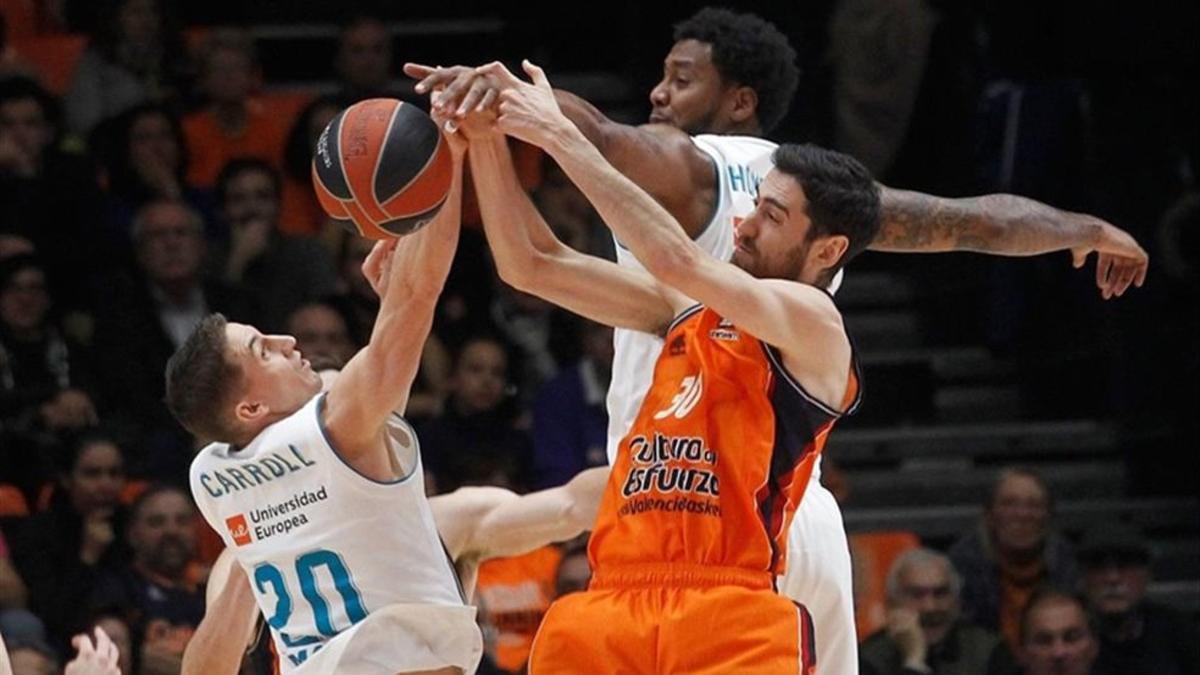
658,95
284,343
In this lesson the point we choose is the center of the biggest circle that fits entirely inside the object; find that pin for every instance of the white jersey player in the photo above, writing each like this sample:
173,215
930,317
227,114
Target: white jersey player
731,73
319,494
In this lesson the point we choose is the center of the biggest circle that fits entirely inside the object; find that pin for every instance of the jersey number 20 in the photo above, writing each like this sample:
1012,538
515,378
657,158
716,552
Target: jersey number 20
266,574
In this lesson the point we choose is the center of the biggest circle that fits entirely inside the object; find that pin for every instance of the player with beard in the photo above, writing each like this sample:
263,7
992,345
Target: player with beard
728,80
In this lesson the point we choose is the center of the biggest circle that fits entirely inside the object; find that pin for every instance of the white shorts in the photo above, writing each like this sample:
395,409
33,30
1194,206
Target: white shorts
819,576
399,639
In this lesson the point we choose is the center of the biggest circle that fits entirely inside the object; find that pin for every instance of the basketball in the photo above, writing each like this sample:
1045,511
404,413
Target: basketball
381,168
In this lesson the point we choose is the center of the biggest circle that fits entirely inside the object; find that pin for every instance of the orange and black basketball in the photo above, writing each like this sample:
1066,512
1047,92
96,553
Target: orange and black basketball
382,168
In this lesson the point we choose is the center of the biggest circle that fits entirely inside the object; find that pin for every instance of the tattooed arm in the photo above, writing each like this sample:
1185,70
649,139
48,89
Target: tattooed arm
1009,225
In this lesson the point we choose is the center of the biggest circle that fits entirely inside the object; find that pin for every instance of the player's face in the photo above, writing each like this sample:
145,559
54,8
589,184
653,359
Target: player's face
1114,586
1058,641
274,373
1020,514
773,242
162,536
251,195
926,590
96,480
691,94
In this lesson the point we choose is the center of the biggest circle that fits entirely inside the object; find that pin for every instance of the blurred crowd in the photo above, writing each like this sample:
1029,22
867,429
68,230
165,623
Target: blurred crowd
162,181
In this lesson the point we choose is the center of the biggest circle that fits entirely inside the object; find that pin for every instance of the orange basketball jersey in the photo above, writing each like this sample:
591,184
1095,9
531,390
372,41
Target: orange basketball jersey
719,457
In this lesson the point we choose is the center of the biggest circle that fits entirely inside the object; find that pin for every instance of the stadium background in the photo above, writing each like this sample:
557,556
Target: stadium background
972,363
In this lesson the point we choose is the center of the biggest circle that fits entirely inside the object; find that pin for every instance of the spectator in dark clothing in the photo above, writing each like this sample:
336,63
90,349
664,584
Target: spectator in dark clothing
143,155
1056,636
363,62
322,334
161,601
1011,553
144,321
282,271
474,441
924,632
136,54
1136,636
46,379
570,422
47,197
63,551
301,214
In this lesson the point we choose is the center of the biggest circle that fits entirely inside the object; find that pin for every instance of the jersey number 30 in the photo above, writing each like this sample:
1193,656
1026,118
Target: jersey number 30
266,574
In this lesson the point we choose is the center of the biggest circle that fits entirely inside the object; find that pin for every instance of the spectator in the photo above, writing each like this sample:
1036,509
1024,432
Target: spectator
1136,635
924,631
31,657
144,157
46,380
322,334
62,551
136,54
569,418
1011,553
158,592
117,629
47,197
474,441
232,123
1056,637
281,271
147,317
300,213
364,60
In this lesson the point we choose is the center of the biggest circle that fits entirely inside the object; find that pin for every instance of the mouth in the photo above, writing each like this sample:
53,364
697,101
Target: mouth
659,118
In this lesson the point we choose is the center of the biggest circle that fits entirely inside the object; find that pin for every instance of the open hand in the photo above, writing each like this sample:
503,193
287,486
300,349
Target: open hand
527,112
1120,262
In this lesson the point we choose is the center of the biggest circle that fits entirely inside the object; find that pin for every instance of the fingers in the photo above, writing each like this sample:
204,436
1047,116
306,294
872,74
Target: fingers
536,74
105,648
1140,277
1079,257
418,71
456,89
1104,266
497,70
473,97
489,98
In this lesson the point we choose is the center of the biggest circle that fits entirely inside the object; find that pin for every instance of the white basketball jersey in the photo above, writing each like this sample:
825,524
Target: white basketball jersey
740,162
322,545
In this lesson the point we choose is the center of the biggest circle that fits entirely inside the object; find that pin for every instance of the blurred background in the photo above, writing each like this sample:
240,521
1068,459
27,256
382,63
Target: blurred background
154,166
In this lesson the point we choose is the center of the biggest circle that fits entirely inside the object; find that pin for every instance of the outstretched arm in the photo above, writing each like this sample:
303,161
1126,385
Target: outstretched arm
410,272
660,158
1003,224
532,259
483,523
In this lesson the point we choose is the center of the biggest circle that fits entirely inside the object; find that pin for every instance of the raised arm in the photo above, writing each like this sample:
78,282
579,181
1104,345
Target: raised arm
483,523
530,257
230,613
800,320
377,380
1003,224
660,158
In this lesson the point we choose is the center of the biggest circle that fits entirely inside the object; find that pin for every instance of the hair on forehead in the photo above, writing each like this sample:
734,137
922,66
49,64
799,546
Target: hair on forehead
915,558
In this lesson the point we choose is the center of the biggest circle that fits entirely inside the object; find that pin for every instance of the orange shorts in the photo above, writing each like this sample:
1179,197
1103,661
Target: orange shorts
704,622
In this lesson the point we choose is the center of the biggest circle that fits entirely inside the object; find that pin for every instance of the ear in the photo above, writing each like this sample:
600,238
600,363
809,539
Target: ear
830,250
745,104
248,412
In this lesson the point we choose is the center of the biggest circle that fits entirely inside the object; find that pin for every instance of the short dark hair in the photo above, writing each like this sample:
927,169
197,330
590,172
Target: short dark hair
240,165
842,196
152,491
1047,594
200,379
751,51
